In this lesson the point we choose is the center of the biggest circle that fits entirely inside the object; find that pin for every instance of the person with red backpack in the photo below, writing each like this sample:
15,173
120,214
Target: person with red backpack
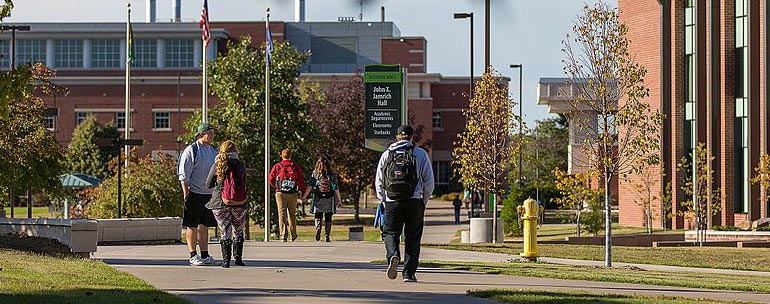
287,179
227,179
326,196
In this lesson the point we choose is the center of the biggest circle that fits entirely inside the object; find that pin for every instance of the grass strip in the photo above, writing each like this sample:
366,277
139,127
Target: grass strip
552,297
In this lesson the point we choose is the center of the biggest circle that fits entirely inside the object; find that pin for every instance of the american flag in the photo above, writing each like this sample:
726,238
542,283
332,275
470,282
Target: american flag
204,23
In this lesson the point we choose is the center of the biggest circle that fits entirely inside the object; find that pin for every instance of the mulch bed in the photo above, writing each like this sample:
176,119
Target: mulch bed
34,244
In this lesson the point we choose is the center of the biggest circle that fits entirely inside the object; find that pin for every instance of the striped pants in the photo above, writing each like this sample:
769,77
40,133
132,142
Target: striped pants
231,221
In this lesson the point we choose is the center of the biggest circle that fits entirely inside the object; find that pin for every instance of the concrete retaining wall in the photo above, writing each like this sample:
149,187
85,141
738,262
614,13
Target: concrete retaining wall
79,235
139,230
712,235
634,240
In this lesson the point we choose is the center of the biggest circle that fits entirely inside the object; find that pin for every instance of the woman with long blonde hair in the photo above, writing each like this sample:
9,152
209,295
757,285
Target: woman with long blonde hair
227,178
326,196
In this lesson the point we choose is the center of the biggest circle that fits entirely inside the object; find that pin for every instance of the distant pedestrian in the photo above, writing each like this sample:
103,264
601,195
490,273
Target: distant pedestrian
404,183
194,166
457,203
325,198
227,179
286,177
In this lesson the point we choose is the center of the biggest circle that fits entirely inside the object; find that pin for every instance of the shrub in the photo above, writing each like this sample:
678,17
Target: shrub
763,228
450,196
151,189
593,219
726,228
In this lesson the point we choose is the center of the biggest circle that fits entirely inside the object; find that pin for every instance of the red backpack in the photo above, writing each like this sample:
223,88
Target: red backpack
287,179
234,188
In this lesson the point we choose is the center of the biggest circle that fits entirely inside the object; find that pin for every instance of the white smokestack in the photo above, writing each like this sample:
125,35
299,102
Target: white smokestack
150,17
176,7
299,10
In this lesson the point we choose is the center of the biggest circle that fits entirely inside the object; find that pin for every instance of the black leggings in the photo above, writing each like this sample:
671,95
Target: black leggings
326,216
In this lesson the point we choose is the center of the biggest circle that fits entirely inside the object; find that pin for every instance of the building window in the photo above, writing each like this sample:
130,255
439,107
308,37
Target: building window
145,53
437,119
690,81
69,53
442,172
161,120
29,51
741,122
5,54
179,53
120,120
49,121
80,117
105,53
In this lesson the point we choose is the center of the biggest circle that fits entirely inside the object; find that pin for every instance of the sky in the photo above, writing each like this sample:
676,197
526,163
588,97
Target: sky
527,32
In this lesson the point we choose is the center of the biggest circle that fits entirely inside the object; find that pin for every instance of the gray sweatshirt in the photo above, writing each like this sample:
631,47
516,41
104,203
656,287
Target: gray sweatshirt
193,169
425,182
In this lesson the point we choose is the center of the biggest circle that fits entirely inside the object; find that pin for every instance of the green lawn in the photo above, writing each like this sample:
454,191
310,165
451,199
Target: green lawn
552,297
32,278
21,212
559,232
757,259
617,274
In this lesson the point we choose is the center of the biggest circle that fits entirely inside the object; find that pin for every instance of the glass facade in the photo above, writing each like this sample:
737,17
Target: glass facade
690,79
161,120
5,54
146,53
179,53
29,51
69,53
105,53
442,172
741,139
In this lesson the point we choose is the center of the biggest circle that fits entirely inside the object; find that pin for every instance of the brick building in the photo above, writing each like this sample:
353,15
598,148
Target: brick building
707,73
166,75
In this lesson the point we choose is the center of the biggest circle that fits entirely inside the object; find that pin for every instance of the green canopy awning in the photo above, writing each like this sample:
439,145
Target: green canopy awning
79,180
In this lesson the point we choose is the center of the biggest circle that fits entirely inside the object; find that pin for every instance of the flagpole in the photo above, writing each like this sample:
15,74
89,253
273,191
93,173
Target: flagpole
267,135
127,124
205,107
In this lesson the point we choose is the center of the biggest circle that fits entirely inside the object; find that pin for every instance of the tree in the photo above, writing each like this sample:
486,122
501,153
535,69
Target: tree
83,154
618,131
762,176
645,196
576,193
544,148
338,116
238,81
146,193
484,149
29,153
707,200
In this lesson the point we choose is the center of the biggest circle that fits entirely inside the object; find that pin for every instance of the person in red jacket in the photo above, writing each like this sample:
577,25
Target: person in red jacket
287,179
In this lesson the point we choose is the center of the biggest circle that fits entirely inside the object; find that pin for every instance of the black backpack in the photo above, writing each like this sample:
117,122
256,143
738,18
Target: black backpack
400,174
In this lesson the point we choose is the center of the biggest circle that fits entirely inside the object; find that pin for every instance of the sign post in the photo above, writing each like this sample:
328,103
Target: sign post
115,144
385,104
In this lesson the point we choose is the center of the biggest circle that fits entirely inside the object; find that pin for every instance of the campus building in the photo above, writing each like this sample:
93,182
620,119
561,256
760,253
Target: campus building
707,72
166,74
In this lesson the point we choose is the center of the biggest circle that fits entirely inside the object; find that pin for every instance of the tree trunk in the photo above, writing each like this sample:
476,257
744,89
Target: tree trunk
607,222
578,222
356,202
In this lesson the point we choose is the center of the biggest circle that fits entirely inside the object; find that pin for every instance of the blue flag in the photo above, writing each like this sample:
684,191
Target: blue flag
269,47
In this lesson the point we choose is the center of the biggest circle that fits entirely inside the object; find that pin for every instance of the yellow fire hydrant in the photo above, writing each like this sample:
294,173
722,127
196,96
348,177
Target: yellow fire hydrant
529,214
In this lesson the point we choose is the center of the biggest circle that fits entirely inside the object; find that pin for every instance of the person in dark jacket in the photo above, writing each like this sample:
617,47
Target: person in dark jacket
231,217
457,203
325,196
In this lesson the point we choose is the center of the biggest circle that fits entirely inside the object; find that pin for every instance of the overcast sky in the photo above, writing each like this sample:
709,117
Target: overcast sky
522,31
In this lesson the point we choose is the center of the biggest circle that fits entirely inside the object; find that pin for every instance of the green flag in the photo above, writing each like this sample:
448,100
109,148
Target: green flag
130,39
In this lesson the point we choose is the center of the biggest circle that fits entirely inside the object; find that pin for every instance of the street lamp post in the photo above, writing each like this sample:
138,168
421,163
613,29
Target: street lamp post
521,117
13,29
468,16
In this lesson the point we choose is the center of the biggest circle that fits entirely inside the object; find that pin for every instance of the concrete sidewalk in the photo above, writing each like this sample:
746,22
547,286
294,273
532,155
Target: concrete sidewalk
342,272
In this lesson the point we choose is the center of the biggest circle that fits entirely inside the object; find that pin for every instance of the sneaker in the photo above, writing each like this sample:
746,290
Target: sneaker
283,240
409,277
196,261
318,234
393,267
209,261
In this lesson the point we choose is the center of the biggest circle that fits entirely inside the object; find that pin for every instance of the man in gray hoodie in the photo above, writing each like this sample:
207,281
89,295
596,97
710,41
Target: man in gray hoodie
404,183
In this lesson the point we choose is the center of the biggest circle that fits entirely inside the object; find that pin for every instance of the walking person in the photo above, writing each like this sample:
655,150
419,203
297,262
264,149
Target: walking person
287,179
194,166
404,183
457,204
326,196
227,179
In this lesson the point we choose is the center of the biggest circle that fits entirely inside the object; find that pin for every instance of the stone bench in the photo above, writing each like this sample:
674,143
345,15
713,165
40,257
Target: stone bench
79,235
138,230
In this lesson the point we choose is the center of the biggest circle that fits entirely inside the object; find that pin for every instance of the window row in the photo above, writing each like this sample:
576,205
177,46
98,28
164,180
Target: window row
160,120
105,53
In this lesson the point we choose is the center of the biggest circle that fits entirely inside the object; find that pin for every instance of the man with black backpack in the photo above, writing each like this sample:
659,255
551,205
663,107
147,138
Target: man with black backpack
287,179
404,183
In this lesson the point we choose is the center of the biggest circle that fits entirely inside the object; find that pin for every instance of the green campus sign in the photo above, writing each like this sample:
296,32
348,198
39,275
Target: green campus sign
385,108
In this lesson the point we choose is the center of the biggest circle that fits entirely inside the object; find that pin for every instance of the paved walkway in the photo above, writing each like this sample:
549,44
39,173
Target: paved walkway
341,272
